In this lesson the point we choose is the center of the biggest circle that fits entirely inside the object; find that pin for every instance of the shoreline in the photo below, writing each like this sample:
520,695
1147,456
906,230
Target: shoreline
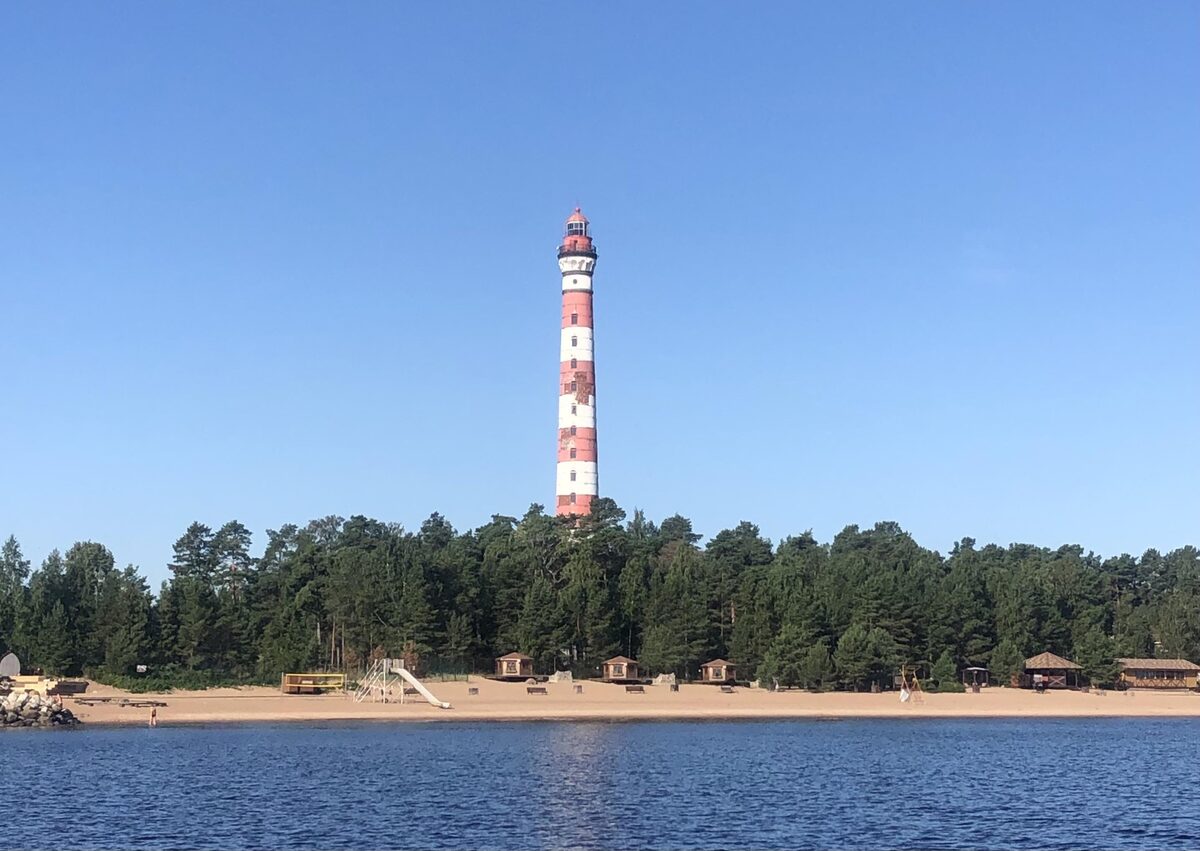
498,702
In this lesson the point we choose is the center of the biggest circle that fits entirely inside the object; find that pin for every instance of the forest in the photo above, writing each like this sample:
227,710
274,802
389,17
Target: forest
336,593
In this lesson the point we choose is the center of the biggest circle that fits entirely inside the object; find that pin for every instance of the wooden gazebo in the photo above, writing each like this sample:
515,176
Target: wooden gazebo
1048,670
620,669
718,671
514,666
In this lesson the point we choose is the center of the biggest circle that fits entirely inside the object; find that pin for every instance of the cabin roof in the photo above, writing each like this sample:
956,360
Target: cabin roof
620,660
718,663
1159,664
1049,662
520,656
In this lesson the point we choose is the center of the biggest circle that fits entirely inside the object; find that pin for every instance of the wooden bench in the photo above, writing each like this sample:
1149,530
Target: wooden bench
727,689
535,690
635,690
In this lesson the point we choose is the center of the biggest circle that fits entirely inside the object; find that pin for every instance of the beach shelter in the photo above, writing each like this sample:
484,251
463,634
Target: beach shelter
718,671
620,669
1049,670
515,666
974,677
10,665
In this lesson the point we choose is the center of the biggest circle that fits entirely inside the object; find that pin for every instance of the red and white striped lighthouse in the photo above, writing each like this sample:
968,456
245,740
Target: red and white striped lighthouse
578,482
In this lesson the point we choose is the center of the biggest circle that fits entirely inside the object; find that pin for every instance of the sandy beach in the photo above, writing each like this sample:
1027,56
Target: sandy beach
498,701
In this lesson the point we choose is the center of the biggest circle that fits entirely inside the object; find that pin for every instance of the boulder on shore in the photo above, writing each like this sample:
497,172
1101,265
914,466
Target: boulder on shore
30,709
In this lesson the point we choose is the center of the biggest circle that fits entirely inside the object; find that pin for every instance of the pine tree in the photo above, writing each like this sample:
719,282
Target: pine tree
854,656
196,622
1007,661
1095,653
14,570
539,628
53,651
945,672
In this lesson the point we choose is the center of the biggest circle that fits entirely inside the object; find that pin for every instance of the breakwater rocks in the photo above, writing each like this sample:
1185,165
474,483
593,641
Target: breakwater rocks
30,709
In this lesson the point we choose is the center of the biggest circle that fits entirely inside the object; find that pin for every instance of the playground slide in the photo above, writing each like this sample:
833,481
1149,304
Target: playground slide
424,692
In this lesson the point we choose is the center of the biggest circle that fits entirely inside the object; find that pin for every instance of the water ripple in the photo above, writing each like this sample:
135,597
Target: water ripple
868,784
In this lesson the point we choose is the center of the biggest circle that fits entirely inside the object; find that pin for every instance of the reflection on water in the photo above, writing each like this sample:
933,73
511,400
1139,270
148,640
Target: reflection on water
1104,783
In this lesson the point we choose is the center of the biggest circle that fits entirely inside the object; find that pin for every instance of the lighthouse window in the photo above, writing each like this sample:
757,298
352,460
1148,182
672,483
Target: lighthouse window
574,341
574,363
574,386
572,475
572,452
572,429
572,499
575,228
574,409
574,318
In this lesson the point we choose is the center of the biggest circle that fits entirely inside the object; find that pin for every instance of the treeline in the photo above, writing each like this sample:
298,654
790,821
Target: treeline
336,593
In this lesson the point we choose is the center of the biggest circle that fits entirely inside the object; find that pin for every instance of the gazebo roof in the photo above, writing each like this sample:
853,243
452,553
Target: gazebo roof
1049,662
1160,664
621,660
521,656
718,663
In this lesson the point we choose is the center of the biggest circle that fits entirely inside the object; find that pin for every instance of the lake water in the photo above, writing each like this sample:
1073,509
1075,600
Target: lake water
864,784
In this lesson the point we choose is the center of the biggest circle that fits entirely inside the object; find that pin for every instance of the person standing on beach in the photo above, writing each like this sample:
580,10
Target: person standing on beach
154,717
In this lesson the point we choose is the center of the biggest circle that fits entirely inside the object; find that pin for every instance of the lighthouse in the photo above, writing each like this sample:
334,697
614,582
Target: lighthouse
578,482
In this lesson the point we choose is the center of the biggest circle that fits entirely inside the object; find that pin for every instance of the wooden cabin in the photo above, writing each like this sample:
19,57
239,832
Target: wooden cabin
1047,670
514,666
620,669
718,671
1158,673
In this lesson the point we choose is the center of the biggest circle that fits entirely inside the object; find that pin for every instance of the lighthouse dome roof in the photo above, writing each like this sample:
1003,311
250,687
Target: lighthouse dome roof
577,216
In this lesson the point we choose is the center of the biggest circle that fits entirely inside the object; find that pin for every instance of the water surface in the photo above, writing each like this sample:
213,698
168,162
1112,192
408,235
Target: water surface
858,784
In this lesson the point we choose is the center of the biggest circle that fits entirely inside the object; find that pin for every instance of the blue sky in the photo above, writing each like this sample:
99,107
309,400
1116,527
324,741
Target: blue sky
933,263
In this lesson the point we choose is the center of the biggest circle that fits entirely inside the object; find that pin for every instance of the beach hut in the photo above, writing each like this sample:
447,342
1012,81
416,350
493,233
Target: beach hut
1047,670
514,666
1158,673
718,671
620,669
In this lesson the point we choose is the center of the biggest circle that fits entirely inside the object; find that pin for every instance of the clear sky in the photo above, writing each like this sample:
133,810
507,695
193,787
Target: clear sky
934,263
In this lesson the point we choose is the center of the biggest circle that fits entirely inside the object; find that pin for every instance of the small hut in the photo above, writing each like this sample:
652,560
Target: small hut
1047,670
620,669
1158,673
514,666
718,671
